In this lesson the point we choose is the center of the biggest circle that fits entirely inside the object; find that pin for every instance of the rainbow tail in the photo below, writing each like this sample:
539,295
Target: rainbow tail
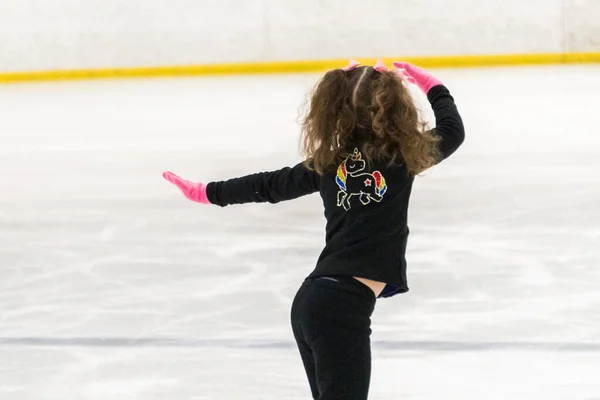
380,183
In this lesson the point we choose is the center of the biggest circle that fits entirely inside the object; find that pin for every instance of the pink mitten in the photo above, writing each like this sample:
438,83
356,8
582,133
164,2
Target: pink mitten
193,191
424,80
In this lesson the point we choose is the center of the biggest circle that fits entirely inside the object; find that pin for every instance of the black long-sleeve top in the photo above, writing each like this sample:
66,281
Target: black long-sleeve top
366,206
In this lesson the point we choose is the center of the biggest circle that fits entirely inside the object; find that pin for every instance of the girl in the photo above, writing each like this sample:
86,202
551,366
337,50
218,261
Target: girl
363,143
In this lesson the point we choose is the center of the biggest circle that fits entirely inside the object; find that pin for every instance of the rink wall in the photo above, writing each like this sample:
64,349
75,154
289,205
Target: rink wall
69,39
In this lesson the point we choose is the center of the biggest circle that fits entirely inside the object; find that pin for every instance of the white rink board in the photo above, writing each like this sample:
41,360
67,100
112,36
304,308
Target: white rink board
71,34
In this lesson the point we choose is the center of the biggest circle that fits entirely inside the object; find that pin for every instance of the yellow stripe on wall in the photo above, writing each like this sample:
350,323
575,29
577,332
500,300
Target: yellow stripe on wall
296,67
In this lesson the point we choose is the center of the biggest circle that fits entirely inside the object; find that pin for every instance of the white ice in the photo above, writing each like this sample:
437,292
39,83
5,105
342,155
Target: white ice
113,286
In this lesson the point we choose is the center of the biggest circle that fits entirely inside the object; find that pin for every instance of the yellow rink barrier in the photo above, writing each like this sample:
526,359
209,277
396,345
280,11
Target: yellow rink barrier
308,66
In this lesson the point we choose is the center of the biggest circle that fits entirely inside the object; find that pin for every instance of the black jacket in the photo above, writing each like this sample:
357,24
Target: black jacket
365,206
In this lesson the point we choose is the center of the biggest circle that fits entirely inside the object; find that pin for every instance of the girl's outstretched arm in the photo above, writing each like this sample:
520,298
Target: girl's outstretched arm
449,124
273,187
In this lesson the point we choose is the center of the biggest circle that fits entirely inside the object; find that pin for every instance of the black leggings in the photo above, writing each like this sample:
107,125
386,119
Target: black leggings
331,321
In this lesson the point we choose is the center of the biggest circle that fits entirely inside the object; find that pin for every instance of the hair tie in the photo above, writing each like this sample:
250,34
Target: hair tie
380,67
353,65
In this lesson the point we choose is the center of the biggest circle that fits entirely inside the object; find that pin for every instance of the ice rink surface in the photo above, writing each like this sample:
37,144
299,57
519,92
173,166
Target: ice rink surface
113,286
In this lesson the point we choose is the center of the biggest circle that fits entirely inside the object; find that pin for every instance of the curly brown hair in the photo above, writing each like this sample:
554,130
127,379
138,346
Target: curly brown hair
371,109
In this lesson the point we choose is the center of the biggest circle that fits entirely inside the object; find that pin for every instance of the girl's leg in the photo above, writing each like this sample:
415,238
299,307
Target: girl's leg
309,363
343,361
336,321
305,351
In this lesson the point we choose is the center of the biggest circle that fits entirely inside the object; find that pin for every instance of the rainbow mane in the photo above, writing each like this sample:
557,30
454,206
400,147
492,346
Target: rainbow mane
340,179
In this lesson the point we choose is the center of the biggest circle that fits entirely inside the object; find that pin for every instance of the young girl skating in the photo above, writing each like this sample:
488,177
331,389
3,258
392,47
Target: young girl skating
364,143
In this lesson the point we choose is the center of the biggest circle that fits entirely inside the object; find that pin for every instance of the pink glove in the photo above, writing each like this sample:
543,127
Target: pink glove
193,191
419,77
